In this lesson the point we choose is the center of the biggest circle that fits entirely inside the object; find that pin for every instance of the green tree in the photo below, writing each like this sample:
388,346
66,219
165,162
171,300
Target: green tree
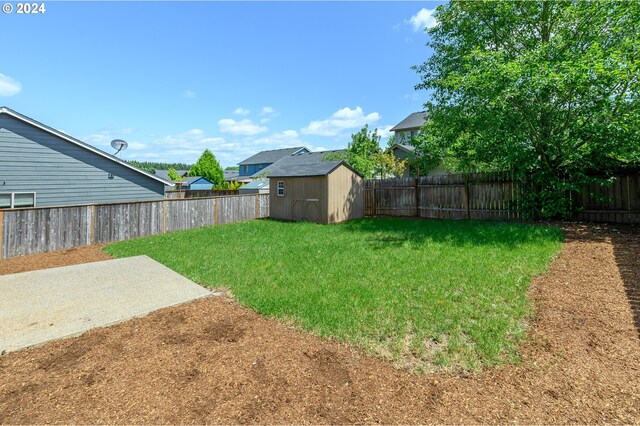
208,167
547,90
365,155
173,174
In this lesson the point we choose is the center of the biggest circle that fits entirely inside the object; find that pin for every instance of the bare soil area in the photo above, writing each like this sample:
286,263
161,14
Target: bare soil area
211,361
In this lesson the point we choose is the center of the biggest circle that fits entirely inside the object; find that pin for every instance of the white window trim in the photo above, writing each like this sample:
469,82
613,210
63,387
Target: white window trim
12,200
278,188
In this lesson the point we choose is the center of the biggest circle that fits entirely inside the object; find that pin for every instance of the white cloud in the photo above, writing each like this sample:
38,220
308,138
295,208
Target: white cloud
189,94
341,120
241,111
264,120
267,110
242,127
9,86
423,19
384,131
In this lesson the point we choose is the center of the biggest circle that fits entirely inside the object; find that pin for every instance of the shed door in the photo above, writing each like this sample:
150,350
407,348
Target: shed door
306,210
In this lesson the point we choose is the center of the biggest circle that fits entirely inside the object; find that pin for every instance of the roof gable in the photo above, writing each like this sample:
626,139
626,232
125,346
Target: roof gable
413,121
64,136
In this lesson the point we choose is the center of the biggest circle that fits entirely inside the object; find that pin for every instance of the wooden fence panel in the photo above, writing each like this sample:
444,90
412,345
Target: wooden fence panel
38,230
263,205
200,193
189,213
119,222
494,196
31,231
235,209
391,197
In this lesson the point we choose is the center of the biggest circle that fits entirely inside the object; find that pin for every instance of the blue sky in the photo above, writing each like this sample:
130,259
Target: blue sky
175,78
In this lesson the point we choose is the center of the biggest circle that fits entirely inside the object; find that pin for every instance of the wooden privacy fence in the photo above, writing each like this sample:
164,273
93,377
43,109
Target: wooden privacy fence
38,230
493,197
199,193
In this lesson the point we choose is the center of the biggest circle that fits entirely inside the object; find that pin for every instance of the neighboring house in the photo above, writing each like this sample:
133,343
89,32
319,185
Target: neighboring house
255,164
315,191
195,183
404,131
234,176
409,127
255,187
43,167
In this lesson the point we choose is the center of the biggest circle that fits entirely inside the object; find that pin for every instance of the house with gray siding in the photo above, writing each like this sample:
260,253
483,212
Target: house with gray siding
43,167
409,127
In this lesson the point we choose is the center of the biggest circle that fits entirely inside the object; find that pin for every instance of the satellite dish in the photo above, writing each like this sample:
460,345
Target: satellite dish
119,144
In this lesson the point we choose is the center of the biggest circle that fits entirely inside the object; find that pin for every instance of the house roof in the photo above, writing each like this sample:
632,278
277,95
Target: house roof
256,184
309,158
404,147
61,135
413,121
312,164
191,179
231,174
164,174
271,156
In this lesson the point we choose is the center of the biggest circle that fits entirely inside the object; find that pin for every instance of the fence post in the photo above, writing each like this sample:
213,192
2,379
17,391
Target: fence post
164,216
374,208
416,196
257,206
1,221
215,211
466,197
92,221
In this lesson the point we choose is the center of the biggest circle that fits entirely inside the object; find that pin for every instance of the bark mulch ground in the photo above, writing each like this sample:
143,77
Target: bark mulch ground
211,361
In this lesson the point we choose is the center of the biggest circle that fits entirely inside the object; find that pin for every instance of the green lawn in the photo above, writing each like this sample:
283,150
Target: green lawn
424,294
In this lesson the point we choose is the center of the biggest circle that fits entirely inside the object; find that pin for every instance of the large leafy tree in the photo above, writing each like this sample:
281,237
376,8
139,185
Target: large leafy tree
548,90
208,167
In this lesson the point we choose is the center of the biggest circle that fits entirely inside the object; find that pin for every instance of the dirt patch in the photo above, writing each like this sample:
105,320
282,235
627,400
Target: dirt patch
53,260
211,361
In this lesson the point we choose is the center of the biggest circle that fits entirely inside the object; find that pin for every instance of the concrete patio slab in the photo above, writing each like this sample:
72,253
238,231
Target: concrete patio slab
39,306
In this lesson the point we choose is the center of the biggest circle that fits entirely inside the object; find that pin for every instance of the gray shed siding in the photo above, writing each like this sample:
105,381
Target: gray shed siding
62,173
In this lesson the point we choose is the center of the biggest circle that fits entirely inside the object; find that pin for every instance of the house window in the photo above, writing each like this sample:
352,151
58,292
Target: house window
15,200
280,188
414,133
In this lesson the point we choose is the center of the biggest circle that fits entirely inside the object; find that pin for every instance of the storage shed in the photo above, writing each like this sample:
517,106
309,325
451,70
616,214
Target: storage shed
316,191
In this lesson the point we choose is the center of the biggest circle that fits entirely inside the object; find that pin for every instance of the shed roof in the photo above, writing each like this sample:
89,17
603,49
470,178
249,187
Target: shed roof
308,158
271,156
61,135
305,165
413,121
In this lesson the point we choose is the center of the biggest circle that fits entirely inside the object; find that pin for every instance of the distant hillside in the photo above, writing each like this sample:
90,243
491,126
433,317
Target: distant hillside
151,166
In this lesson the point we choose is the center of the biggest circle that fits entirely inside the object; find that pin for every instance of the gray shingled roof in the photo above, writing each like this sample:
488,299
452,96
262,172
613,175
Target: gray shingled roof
231,174
164,174
408,148
271,156
312,164
310,158
413,121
